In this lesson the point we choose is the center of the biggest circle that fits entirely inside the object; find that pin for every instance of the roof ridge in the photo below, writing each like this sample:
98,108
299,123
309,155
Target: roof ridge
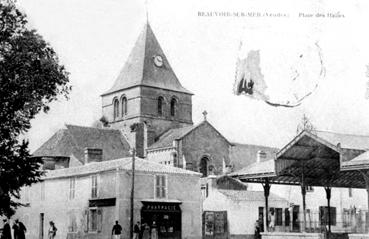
90,127
259,145
340,133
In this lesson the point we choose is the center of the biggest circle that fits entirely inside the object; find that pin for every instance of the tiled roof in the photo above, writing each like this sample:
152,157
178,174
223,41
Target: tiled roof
140,69
74,140
166,140
243,155
257,169
359,162
141,165
60,144
347,141
244,195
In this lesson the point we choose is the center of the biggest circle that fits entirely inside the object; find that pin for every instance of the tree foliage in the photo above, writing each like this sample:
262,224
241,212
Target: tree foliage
30,78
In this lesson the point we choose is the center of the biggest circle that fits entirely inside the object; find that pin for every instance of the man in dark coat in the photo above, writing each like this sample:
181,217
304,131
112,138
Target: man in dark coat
19,230
7,234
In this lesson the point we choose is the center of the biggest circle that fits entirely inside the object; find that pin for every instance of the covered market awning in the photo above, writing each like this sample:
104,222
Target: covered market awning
318,158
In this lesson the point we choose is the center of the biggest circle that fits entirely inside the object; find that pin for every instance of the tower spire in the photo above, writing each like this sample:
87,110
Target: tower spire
147,11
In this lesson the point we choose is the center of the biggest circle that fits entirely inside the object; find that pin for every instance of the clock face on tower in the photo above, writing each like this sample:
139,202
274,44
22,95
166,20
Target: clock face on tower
158,61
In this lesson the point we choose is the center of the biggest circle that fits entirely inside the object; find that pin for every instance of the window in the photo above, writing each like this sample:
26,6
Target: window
160,106
93,220
42,191
309,189
72,222
94,186
160,186
278,217
350,192
286,217
116,108
124,106
203,169
323,215
72,188
173,106
175,163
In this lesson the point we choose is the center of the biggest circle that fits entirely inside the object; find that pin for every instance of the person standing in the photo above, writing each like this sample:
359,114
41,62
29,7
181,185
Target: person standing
116,231
19,230
52,230
7,234
136,231
146,231
154,231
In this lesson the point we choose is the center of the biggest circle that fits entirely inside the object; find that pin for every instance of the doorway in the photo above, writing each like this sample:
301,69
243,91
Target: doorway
295,218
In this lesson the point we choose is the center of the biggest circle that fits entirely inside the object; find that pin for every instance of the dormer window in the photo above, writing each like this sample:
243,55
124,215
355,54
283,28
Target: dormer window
124,106
173,105
116,108
160,106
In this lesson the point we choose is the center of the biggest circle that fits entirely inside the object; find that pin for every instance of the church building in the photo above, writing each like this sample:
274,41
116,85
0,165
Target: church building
148,110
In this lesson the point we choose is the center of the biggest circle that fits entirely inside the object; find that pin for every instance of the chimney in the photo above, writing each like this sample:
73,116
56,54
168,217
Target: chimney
93,155
261,156
212,183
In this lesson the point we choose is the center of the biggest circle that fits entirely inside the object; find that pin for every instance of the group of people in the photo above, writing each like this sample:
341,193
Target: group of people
19,230
140,231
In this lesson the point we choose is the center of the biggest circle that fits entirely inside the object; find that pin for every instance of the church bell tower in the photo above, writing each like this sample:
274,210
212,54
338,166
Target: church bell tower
147,93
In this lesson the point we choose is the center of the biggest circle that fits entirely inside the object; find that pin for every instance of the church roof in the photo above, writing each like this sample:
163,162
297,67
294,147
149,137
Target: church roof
140,69
243,155
74,139
166,139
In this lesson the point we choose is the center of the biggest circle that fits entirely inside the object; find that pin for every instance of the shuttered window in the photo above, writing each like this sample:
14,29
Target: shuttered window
94,219
160,186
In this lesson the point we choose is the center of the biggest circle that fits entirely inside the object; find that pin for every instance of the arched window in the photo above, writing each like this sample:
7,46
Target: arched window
173,105
203,168
124,106
160,106
116,108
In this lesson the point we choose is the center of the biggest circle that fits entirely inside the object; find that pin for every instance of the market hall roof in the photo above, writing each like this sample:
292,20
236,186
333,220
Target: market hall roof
140,68
74,139
318,155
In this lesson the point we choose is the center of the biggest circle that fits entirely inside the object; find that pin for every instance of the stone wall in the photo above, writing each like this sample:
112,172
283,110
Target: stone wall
204,141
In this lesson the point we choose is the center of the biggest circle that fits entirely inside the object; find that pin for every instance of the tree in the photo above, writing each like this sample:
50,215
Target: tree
306,125
30,79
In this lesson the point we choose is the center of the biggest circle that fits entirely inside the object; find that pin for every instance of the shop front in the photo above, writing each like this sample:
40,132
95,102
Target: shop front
163,217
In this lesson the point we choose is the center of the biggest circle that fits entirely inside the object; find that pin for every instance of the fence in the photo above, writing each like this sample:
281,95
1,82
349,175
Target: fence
349,221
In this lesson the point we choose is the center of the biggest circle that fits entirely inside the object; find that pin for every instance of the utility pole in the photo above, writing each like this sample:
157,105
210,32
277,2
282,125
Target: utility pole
132,192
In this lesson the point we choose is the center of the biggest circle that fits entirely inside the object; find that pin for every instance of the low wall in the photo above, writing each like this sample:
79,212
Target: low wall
291,235
358,236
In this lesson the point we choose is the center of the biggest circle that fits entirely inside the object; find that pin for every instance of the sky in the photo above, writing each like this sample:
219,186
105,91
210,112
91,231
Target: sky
202,43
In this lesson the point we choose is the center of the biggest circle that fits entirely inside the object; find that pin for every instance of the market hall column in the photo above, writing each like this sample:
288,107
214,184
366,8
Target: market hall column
328,191
303,193
266,186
